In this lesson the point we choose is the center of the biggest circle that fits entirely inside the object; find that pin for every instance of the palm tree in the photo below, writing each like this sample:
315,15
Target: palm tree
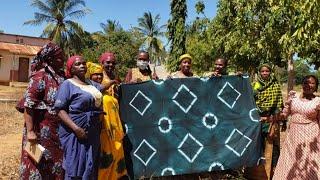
110,27
149,27
60,28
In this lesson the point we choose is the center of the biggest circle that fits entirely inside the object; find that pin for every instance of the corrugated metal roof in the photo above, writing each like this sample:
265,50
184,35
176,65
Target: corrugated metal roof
20,49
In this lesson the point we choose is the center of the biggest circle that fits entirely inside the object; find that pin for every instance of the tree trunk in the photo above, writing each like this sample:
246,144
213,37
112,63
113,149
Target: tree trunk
290,73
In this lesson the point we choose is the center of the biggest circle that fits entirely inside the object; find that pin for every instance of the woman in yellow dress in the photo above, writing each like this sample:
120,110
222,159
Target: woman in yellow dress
112,163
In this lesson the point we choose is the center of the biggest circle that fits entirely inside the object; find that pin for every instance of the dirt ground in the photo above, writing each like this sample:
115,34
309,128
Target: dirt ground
11,133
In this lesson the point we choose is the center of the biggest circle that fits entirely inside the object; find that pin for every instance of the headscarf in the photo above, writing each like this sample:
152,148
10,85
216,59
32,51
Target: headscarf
105,56
268,93
93,68
45,56
267,65
70,62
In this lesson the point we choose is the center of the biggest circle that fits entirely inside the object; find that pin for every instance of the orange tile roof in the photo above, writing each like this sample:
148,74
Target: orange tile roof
20,49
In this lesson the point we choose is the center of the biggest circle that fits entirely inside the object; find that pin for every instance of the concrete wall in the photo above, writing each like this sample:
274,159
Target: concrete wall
10,66
20,39
6,66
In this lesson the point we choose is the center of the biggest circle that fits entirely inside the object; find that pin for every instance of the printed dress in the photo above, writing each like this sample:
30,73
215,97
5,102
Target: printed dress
39,97
82,103
112,162
300,154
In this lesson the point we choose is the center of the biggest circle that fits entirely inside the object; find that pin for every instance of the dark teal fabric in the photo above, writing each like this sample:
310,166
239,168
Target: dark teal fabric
191,125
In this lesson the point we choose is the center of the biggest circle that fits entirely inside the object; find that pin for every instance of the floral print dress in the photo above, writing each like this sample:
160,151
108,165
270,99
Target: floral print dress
40,96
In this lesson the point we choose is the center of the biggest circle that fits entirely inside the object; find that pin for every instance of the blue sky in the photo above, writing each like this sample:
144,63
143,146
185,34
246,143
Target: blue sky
13,13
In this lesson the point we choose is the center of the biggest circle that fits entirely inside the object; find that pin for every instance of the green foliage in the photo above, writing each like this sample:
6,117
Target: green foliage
176,33
199,46
107,28
249,33
125,45
152,32
60,27
200,7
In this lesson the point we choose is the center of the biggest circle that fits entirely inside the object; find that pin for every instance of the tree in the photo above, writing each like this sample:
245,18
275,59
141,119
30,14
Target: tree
238,33
149,27
300,20
60,27
177,33
197,41
124,44
252,32
200,7
107,28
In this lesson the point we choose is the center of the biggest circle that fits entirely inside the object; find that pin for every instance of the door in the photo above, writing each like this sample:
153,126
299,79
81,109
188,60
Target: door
23,70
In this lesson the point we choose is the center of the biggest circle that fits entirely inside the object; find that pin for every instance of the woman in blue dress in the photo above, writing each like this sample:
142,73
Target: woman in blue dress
78,104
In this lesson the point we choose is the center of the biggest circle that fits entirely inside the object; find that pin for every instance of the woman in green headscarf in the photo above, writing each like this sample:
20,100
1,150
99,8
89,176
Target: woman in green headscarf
268,97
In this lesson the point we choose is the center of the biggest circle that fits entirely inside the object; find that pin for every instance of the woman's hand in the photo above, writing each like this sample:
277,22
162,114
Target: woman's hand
292,94
154,76
80,133
31,137
215,74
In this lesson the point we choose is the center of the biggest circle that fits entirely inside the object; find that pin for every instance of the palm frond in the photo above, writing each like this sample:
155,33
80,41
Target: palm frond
74,27
44,17
78,13
72,4
41,6
48,31
33,22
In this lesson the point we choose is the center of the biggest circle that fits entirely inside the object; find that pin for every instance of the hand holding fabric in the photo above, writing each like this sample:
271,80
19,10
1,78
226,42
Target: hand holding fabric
80,133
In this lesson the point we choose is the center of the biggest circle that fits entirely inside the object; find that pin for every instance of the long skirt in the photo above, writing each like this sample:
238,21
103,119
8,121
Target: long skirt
50,165
112,162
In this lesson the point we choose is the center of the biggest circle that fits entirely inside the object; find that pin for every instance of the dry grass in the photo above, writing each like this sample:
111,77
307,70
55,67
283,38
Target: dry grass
7,92
10,137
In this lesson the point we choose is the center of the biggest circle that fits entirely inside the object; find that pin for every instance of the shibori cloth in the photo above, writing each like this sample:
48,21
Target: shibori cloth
191,125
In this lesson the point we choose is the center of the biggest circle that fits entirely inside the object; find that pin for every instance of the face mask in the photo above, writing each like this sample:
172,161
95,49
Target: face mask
143,65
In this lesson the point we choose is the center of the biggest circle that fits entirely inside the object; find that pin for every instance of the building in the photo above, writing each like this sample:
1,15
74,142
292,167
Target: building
16,52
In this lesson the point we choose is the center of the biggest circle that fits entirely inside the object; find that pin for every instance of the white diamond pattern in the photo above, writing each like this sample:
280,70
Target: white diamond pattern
184,109
143,110
239,154
223,100
190,159
143,143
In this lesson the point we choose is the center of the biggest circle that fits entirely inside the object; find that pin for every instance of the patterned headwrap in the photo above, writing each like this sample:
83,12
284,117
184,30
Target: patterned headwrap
105,56
268,93
45,56
70,62
265,65
93,68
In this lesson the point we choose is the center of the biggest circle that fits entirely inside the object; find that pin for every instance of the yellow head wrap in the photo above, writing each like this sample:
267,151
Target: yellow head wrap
93,68
185,56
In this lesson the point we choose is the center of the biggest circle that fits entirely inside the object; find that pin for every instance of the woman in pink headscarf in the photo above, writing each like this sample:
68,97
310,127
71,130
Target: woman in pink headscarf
78,104
112,162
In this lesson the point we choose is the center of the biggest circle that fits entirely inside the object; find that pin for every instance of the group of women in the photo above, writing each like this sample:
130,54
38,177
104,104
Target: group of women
75,117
